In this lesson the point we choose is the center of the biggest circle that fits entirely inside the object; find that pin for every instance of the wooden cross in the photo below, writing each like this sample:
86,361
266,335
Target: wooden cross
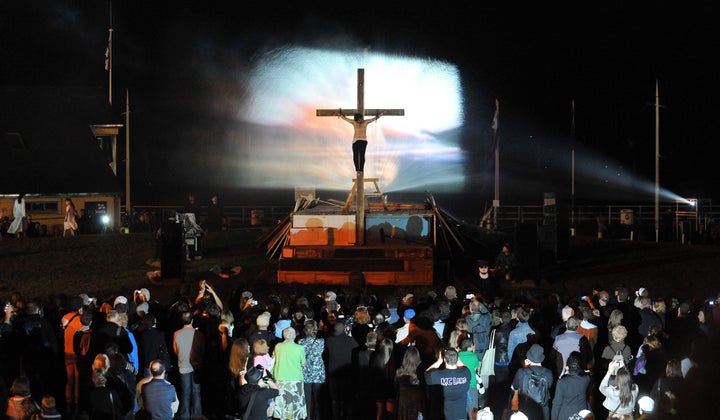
360,182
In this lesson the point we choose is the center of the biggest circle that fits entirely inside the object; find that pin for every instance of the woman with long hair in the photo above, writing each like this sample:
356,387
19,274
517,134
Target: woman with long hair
621,397
669,386
18,227
71,214
410,395
382,376
238,366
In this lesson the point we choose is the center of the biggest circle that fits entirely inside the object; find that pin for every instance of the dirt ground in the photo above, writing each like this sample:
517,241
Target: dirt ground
104,266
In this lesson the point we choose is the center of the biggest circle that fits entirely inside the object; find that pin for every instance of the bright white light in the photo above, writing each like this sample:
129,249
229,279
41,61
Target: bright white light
288,145
105,219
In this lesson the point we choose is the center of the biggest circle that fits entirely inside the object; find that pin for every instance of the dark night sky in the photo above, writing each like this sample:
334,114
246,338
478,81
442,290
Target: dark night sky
535,59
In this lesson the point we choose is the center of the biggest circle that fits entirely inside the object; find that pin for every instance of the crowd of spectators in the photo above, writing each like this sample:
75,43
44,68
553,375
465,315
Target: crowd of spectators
308,352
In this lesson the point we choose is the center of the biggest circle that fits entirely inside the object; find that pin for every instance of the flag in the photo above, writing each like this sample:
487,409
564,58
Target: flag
495,117
108,50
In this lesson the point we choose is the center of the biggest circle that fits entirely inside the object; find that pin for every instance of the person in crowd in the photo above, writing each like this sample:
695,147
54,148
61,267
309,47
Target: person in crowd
112,331
479,324
459,333
288,372
104,402
453,313
648,316
256,393
571,390
238,363
614,319
571,341
40,350
621,397
403,331
70,324
189,346
112,381
364,402
362,325
616,346
158,395
560,327
226,327
262,357
454,381
48,409
671,382
340,350
520,332
521,382
587,325
20,404
263,323
121,374
500,382
468,357
410,395
382,378
650,364
422,335
84,349
153,345
314,368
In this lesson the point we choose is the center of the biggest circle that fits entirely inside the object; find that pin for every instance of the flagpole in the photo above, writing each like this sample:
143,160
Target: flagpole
496,139
657,162
128,212
572,171
109,64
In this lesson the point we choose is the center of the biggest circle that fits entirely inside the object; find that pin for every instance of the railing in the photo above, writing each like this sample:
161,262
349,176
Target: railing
625,214
509,215
151,217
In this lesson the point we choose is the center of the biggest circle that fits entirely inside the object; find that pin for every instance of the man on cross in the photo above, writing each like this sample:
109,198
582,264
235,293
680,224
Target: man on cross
359,137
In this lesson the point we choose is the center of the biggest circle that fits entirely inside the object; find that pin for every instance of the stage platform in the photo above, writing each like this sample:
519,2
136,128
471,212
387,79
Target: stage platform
398,249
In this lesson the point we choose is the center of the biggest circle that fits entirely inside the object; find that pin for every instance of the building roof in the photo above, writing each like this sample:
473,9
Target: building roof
46,142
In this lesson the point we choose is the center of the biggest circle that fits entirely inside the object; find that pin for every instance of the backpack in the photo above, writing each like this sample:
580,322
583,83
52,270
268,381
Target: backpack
536,387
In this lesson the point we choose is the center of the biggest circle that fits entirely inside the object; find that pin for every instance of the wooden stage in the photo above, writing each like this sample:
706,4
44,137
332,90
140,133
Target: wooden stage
321,245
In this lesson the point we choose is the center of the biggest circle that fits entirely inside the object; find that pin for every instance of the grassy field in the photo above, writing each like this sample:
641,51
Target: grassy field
107,265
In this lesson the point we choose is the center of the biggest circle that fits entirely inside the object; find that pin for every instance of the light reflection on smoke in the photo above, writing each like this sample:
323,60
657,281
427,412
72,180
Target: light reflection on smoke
287,145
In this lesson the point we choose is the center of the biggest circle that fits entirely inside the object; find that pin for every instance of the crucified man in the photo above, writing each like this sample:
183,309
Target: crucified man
359,137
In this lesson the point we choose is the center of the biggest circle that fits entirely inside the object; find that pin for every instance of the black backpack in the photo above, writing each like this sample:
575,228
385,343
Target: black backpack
537,388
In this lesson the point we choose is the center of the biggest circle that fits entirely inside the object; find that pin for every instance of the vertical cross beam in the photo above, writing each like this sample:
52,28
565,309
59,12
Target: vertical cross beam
360,181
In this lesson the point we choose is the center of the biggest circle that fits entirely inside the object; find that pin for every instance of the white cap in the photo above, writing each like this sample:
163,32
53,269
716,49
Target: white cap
120,299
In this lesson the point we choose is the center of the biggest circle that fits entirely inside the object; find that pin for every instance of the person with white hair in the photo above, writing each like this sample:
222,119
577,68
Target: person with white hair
288,373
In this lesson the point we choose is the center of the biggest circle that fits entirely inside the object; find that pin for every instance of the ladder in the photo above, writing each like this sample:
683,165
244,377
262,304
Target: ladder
378,193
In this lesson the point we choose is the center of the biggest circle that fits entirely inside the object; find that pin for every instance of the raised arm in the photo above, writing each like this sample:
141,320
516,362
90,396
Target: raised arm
375,118
341,115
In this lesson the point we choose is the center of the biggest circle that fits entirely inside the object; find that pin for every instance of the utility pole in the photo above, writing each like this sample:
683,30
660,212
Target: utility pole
657,162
